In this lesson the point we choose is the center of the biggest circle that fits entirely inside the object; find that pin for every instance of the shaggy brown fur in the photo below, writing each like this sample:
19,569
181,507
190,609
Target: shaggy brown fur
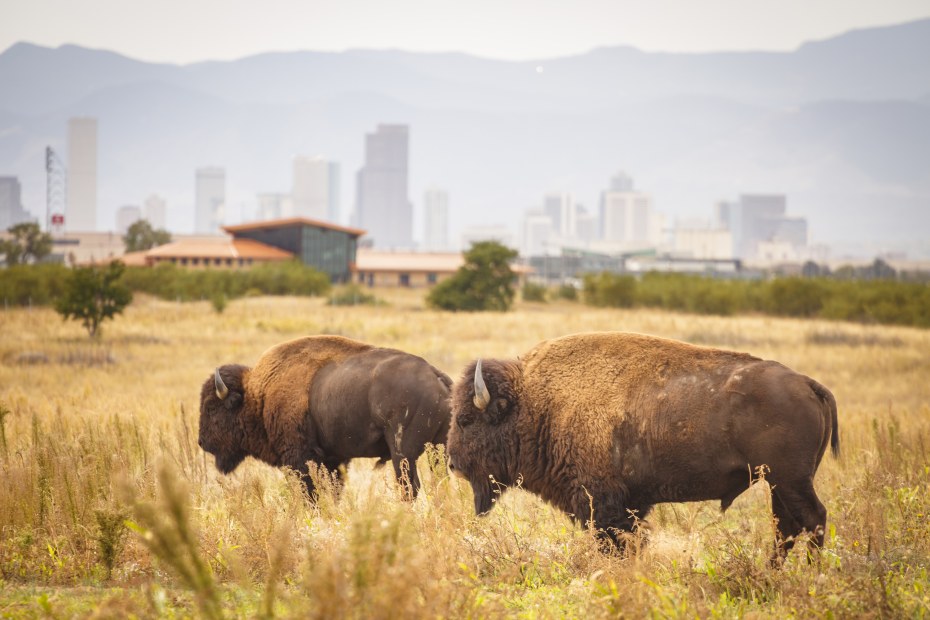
606,425
326,399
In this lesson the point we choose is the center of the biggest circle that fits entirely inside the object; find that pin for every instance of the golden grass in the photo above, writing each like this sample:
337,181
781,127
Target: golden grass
95,433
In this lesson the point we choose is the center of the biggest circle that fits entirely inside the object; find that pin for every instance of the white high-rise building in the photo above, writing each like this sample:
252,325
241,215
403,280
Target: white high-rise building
11,207
538,234
154,211
81,210
126,216
627,218
315,189
211,200
436,220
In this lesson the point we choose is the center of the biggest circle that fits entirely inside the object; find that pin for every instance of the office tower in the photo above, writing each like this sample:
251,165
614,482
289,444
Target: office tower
211,200
126,216
435,220
761,218
315,188
81,210
587,226
11,206
383,207
154,211
626,217
560,206
538,234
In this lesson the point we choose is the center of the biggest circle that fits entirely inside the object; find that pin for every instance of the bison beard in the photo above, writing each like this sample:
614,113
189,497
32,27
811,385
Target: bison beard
326,400
606,425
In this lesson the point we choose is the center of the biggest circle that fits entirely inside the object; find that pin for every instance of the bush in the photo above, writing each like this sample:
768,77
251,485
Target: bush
169,281
484,282
39,285
93,295
609,290
353,295
567,291
534,292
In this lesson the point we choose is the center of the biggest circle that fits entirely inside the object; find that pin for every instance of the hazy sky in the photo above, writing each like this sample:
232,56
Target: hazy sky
184,31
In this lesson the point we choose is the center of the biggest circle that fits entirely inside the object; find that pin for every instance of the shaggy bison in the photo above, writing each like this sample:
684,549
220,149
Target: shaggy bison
606,425
325,399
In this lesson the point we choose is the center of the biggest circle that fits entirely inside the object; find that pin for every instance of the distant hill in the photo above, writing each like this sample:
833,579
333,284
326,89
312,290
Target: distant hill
842,126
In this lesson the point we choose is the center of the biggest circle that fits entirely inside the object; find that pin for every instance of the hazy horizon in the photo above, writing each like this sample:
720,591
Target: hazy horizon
179,32
841,127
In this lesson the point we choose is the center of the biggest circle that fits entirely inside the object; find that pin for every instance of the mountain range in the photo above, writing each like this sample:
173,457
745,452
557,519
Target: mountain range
841,126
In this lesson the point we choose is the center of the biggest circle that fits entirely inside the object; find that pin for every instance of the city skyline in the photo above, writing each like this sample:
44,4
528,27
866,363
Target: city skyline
835,136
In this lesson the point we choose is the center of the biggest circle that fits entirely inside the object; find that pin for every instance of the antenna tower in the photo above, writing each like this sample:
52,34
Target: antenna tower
56,179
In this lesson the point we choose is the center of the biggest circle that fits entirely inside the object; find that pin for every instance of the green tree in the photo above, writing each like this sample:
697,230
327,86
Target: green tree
28,244
141,236
484,282
94,294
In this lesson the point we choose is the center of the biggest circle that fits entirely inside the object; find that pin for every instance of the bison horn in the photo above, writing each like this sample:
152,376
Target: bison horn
221,389
482,397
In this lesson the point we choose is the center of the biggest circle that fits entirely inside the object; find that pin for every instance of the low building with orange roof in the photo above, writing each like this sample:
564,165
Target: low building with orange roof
413,269
219,252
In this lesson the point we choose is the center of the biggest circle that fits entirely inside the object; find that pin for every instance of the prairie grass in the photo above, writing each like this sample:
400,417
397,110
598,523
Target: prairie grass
108,508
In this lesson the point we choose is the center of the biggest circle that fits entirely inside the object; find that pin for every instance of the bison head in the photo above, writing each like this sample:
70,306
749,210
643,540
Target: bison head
221,430
482,442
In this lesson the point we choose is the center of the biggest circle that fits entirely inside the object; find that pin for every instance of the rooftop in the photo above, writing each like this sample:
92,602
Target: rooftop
292,221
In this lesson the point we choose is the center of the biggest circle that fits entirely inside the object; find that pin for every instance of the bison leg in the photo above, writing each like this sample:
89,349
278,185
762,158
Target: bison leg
797,509
404,454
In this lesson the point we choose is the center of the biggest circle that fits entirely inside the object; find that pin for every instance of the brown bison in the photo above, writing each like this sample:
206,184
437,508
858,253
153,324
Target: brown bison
606,425
325,399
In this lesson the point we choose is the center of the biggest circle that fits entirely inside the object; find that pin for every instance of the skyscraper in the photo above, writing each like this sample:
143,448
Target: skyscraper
11,207
154,211
81,210
211,200
436,220
383,207
761,218
314,188
560,207
126,216
626,215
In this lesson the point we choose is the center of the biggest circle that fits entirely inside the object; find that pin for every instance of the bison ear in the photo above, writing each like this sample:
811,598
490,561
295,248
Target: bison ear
499,410
232,400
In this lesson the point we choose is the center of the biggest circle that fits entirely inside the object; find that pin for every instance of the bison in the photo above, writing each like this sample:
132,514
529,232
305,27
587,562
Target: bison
606,425
326,400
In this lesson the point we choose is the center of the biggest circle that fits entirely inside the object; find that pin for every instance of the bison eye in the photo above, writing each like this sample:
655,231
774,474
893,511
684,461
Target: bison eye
464,420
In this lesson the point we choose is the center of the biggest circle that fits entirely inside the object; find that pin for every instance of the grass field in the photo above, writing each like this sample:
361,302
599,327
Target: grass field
108,508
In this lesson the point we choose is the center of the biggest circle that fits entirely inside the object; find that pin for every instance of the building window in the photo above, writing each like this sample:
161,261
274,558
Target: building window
431,278
195,261
405,279
184,261
361,277
229,262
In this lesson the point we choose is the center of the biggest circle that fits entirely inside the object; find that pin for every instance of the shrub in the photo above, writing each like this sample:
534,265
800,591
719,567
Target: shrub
534,292
484,282
567,291
94,294
610,290
353,295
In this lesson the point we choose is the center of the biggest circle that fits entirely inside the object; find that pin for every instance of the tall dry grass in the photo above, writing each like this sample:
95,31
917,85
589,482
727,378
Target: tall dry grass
109,508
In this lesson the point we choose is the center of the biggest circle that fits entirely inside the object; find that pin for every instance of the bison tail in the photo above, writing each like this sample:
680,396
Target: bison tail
827,397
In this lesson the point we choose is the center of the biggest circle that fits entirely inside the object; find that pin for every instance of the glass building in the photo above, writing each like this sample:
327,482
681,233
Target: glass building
327,247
